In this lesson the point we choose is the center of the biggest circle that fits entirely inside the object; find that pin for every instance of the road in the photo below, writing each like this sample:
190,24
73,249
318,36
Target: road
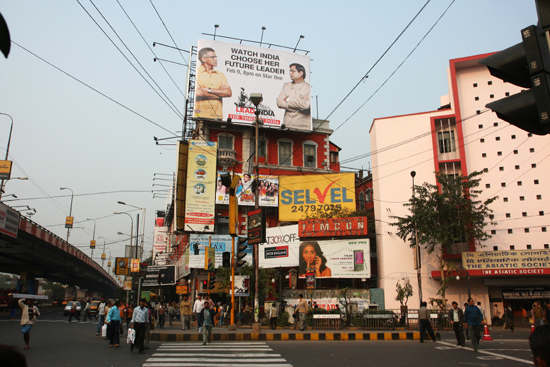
56,342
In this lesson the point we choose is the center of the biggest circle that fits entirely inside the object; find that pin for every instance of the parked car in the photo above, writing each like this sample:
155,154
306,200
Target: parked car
68,307
94,306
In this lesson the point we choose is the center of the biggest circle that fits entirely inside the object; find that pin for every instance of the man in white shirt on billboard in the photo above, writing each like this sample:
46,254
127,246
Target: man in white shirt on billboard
295,99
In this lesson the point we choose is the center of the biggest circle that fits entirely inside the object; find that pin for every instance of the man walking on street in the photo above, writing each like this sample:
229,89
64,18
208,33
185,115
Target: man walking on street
273,317
537,314
28,317
140,319
100,315
472,320
302,311
425,324
197,308
185,311
457,318
208,320
87,311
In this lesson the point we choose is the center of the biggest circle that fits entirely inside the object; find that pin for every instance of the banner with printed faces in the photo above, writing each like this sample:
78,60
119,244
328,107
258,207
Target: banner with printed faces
220,244
268,196
310,194
228,73
201,187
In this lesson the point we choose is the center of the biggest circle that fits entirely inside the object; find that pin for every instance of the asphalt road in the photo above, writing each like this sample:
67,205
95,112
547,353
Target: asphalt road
56,342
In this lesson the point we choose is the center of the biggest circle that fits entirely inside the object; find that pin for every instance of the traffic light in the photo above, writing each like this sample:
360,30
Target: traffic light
226,259
527,65
241,248
212,281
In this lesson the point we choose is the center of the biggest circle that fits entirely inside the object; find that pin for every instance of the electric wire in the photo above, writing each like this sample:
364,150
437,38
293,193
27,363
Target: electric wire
165,27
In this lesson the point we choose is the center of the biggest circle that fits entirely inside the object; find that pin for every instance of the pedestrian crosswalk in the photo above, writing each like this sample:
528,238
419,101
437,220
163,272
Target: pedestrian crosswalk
228,354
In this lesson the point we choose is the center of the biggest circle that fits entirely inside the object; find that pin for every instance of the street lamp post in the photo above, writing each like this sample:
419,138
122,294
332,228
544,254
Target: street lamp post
132,226
142,226
417,249
256,99
70,212
92,243
7,150
103,254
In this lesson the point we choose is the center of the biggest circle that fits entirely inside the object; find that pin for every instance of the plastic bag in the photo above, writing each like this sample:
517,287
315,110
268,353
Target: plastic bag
131,336
104,330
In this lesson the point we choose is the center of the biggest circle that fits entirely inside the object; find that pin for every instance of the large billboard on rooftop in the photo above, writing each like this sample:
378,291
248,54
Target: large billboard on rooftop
227,73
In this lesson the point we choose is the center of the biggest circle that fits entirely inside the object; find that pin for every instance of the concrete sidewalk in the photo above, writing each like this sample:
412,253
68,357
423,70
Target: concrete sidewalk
175,333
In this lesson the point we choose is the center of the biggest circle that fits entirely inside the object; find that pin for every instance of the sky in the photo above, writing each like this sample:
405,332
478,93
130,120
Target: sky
85,119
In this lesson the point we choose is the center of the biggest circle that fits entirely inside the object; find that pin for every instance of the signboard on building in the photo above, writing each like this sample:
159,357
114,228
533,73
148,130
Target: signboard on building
220,244
282,77
201,187
5,170
333,227
122,266
513,262
242,285
159,275
182,266
535,293
309,194
160,244
9,220
256,226
268,195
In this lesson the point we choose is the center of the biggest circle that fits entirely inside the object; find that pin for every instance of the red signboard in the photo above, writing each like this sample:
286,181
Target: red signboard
436,274
352,226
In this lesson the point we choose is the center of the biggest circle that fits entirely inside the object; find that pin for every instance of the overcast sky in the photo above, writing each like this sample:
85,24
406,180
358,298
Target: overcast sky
85,119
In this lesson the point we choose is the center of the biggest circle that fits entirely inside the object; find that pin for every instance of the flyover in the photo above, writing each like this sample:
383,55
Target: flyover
34,252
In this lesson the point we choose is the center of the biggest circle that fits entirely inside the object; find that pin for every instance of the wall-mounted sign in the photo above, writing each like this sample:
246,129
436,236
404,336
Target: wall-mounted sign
122,266
333,227
5,170
256,226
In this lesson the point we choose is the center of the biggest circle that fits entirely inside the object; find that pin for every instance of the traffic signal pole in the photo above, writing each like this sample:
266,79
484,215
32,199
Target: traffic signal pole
233,214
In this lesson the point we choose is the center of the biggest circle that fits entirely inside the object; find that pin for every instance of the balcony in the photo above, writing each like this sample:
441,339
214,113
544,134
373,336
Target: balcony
227,157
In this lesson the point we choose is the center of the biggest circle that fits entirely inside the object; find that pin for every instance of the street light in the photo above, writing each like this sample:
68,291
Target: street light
103,254
461,268
7,150
92,242
69,222
417,257
142,225
3,185
131,228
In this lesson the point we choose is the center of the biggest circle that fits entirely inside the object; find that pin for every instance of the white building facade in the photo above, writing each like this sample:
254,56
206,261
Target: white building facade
462,137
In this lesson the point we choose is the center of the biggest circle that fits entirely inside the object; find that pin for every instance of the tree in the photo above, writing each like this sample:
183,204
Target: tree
446,214
403,291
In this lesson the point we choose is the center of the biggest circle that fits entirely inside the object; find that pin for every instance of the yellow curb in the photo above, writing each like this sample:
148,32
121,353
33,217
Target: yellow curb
402,336
358,336
284,336
329,336
195,337
387,336
314,336
299,336
179,337
254,336
344,336
269,337
373,336
239,336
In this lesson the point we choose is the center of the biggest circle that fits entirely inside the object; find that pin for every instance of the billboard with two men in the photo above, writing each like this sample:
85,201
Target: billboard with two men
227,73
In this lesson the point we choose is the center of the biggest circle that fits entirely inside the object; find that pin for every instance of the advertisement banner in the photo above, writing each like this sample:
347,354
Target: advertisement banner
333,227
242,285
268,196
160,244
5,170
281,247
309,194
122,266
182,266
209,258
9,220
201,187
220,244
159,275
127,286
256,226
227,73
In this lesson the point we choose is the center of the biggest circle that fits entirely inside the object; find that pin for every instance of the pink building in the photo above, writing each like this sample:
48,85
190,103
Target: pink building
462,136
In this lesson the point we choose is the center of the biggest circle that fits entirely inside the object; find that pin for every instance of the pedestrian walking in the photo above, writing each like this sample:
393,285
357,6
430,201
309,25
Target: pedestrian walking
295,317
122,311
456,315
524,318
473,319
185,311
162,316
100,315
29,313
208,320
140,319
537,314
171,313
273,317
222,315
496,316
303,309
129,314
87,311
73,313
424,321
509,318
113,319
197,309
109,328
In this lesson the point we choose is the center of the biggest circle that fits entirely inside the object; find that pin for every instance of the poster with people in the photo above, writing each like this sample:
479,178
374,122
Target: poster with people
268,190
228,73
346,258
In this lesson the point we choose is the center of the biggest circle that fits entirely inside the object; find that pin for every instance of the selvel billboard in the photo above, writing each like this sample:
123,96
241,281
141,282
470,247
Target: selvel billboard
227,73
300,196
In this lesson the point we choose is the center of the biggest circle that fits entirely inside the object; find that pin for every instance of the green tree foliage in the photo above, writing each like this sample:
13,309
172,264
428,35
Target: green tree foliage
404,291
265,284
445,214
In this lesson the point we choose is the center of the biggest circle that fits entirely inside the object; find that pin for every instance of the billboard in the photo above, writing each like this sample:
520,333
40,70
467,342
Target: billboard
160,275
227,73
329,259
160,244
9,220
201,187
5,170
301,196
268,196
122,266
182,265
512,262
220,244
333,227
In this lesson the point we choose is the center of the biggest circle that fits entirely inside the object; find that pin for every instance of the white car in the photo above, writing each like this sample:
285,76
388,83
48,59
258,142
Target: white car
68,307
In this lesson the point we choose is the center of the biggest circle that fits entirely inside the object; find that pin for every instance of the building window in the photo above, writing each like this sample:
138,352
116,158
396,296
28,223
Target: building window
493,231
524,214
226,142
510,231
505,200
497,138
526,230
487,186
513,136
446,140
495,124
501,168
262,148
516,152
495,248
512,247
285,153
480,126
534,165
532,150
529,135
490,82
486,170
536,182
522,198
491,96
334,157
539,197
310,155
520,183
503,184
499,153
543,229
484,155
368,199
528,247
517,166
546,246
361,201
478,112
541,212
507,215
482,140
475,85
507,94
